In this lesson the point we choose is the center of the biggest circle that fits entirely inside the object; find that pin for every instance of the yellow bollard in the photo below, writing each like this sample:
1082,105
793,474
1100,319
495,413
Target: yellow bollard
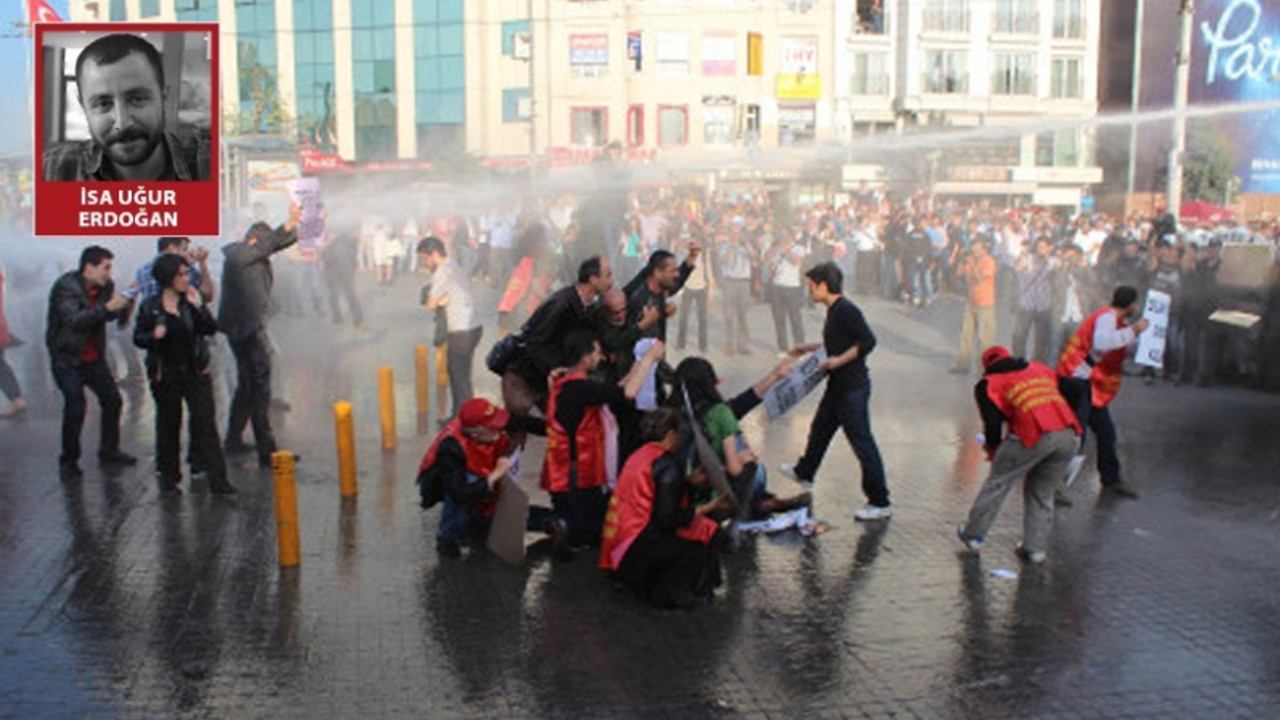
346,434
286,507
423,387
442,381
387,397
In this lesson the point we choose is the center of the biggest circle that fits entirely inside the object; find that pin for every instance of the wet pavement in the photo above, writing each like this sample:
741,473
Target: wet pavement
116,602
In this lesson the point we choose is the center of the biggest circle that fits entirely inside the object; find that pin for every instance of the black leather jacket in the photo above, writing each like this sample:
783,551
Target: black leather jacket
72,321
200,325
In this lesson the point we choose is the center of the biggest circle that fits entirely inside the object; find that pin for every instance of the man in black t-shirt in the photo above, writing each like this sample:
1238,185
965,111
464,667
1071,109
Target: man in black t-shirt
848,340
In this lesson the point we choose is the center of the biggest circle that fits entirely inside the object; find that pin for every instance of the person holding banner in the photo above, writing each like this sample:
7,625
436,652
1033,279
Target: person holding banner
463,467
845,403
655,539
1090,371
1044,434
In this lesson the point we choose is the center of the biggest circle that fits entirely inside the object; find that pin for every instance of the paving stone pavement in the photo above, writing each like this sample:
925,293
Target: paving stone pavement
116,602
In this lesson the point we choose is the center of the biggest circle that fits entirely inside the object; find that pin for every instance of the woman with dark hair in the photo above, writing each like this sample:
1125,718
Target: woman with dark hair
697,377
172,327
655,539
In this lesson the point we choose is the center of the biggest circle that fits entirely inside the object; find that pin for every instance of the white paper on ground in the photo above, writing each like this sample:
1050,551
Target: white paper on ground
1005,574
798,518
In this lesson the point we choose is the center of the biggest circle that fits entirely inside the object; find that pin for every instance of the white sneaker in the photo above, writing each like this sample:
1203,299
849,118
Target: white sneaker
1031,557
873,512
972,542
789,470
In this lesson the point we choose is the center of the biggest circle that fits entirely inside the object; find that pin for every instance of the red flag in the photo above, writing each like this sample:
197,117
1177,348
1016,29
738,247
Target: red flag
39,11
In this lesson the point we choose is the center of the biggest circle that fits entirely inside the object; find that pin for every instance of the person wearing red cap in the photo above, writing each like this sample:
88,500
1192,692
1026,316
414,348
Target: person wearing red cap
1043,436
463,467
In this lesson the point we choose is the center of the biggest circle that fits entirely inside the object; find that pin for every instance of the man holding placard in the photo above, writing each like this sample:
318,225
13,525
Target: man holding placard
1090,371
847,340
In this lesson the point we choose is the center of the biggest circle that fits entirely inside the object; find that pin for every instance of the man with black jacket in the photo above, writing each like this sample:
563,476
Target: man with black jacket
81,304
524,379
246,294
172,326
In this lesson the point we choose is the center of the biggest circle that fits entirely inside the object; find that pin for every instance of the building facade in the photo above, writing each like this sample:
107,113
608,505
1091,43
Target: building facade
1007,89
1014,82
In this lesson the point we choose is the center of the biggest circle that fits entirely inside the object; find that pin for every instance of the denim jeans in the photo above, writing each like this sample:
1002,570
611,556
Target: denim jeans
462,522
72,380
846,408
1079,396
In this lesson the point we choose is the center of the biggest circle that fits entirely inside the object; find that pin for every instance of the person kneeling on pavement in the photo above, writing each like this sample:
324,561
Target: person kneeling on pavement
1044,435
655,539
462,470
747,475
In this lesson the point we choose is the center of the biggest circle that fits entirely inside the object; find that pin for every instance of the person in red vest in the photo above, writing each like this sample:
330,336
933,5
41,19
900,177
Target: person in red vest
1090,371
1043,436
655,539
576,470
462,470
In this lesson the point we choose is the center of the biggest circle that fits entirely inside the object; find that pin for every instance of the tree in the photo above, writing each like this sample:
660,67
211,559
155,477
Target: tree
1209,167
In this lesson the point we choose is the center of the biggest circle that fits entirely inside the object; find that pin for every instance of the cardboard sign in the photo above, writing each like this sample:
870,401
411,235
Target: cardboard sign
790,390
506,532
1151,343
306,193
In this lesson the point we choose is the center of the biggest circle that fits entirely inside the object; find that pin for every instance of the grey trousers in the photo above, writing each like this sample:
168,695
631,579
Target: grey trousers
1044,467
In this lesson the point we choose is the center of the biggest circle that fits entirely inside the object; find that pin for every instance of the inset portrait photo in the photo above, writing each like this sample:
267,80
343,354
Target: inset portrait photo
127,128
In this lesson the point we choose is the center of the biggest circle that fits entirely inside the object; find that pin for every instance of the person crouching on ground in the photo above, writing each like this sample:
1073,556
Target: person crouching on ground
656,541
1043,436
173,326
462,469
747,475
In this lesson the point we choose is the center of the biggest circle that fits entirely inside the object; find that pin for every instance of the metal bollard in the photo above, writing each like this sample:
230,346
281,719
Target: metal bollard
346,437
423,386
286,488
442,382
387,397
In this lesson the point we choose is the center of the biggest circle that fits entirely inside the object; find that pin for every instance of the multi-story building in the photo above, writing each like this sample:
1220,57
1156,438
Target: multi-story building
505,80
1008,87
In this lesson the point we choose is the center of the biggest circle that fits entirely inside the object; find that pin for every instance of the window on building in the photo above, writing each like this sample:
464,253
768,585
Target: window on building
673,125
314,73
946,72
1058,148
589,126
515,105
1066,78
1014,74
869,17
671,52
719,54
751,121
1017,17
510,29
373,55
440,106
116,11
150,8
718,122
1068,19
797,123
635,126
196,10
260,107
947,16
870,74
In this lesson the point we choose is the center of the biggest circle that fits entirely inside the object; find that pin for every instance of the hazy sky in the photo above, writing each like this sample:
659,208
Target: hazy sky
15,120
